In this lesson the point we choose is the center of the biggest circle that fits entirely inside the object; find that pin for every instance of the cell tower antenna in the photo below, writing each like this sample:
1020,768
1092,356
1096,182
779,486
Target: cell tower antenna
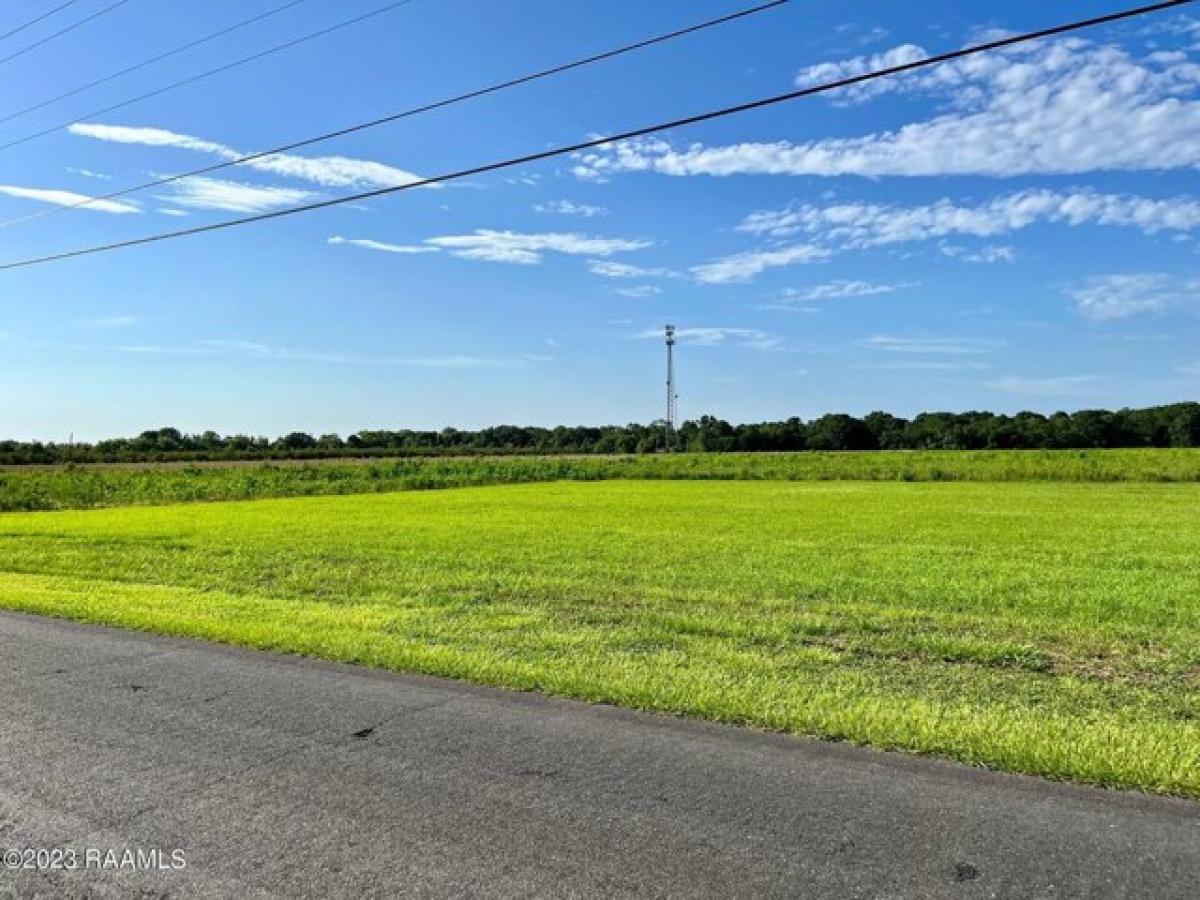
672,397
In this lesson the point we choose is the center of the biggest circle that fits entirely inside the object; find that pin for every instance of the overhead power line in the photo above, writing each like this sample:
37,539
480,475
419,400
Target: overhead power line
417,110
192,79
42,104
593,143
34,21
50,37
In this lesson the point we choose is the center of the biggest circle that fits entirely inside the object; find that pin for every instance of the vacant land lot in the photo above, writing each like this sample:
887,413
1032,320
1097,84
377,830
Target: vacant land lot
1051,628
69,487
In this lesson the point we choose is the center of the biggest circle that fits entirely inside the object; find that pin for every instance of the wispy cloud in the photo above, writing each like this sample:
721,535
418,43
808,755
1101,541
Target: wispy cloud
493,246
1057,386
261,351
639,291
844,227
861,65
609,269
88,173
232,196
1106,297
368,244
1056,107
529,249
840,290
743,267
505,246
751,338
935,346
326,171
68,198
988,253
872,224
923,365
570,208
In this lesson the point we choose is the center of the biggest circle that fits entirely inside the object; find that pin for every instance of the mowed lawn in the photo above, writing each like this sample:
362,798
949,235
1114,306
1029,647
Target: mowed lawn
1045,628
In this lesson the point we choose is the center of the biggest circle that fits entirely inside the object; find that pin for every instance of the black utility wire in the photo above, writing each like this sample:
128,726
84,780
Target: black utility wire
34,21
48,38
614,138
384,120
229,29
211,72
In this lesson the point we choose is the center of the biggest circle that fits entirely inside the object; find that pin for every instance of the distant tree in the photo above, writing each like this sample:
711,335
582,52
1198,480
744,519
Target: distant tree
840,432
297,440
889,431
1184,427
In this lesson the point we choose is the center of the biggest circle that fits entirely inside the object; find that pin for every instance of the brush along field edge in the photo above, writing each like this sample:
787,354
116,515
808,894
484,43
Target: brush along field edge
84,487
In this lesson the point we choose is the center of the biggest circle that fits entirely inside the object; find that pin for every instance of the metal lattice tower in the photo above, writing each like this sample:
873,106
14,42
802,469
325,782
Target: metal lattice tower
672,397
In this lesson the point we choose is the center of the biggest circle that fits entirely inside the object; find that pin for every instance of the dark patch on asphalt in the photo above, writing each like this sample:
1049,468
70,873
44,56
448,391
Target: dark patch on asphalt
137,687
537,773
965,872
363,733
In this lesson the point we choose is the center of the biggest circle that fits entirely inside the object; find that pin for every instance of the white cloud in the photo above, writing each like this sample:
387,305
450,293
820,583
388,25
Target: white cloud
862,38
1055,107
936,346
751,338
742,267
1182,27
68,198
261,351
570,208
176,213
854,226
861,65
381,246
335,171
988,253
88,173
1108,297
326,171
233,196
838,290
504,246
874,224
151,137
609,269
840,227
528,249
1059,386
639,291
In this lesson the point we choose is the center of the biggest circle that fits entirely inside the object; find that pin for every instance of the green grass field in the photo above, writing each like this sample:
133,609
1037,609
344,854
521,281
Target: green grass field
34,488
1049,628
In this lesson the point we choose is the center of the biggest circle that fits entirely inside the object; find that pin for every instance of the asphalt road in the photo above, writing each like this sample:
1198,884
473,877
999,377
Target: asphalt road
281,777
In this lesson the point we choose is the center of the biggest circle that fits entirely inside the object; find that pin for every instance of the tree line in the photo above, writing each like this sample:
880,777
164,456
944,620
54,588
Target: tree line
1176,425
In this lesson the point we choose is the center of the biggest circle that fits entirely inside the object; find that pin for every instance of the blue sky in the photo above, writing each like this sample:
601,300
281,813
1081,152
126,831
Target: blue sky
1016,231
